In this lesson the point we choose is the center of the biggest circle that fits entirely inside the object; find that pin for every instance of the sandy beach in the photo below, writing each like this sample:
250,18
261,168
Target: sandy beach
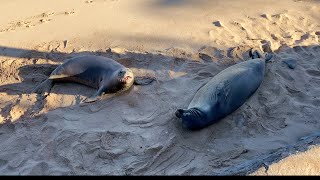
183,43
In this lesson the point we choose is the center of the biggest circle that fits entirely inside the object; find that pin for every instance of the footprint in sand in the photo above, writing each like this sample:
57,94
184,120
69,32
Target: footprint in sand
266,16
34,20
69,12
313,72
221,33
44,20
217,23
270,31
93,1
45,15
282,17
19,24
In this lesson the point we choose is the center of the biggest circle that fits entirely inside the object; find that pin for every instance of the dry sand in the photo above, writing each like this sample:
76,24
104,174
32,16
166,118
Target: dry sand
184,43
305,163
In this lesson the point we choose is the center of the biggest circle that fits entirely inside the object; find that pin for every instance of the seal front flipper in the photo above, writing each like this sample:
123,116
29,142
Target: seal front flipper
96,96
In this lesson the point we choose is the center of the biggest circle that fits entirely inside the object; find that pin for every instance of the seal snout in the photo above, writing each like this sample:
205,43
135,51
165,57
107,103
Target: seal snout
125,75
178,113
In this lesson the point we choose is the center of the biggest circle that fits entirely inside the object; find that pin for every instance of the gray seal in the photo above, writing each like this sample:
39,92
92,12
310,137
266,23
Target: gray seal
224,93
104,74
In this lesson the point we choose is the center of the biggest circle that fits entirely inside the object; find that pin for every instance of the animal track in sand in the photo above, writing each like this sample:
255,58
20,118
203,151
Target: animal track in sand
34,20
314,73
94,1
291,28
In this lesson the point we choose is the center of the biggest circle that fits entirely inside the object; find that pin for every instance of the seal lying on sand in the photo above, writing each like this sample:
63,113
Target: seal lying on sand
224,93
104,74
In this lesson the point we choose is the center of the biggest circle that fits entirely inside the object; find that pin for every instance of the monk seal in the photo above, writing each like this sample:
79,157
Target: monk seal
225,92
102,73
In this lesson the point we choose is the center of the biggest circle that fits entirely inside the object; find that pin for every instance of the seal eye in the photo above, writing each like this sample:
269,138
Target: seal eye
122,73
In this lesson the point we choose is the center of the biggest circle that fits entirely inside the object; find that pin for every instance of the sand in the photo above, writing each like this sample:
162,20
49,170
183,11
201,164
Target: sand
184,44
303,163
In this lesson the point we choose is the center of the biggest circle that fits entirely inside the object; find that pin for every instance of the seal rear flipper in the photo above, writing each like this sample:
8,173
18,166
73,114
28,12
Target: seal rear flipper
44,87
96,96
143,80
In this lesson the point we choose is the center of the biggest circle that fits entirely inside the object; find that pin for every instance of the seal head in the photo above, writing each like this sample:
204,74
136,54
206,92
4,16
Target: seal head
192,118
125,78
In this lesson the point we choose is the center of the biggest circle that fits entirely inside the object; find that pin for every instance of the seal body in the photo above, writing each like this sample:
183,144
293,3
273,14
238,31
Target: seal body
223,94
104,74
